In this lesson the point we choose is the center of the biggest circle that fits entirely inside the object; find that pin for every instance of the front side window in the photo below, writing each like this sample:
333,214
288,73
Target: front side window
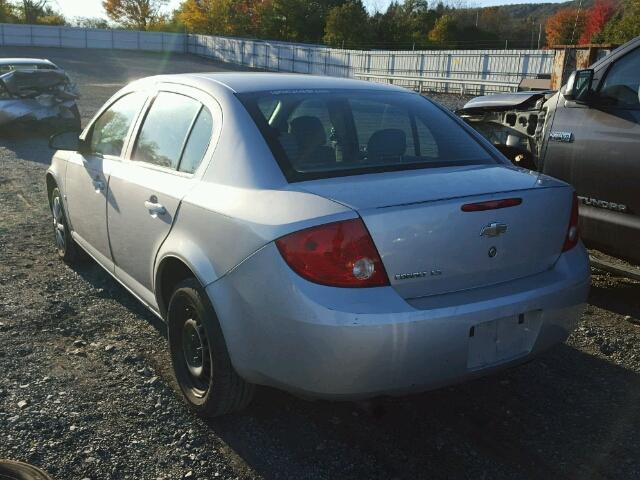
333,133
110,130
165,129
622,83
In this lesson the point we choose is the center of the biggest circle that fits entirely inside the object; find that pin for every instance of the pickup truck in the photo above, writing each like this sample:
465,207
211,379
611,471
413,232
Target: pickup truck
587,134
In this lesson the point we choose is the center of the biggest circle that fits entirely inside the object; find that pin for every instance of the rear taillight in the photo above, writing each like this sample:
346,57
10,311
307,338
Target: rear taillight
573,234
339,254
491,205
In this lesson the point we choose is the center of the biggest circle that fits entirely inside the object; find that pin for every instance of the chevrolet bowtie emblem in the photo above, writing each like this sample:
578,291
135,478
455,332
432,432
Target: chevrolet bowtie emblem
493,230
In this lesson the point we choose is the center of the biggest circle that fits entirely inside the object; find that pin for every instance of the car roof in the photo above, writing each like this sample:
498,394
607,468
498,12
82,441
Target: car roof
25,61
247,82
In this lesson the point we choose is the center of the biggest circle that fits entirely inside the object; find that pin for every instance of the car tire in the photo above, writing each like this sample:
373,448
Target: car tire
11,470
66,247
199,354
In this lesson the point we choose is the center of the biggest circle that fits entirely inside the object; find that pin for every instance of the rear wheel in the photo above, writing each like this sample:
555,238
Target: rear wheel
201,362
11,470
65,245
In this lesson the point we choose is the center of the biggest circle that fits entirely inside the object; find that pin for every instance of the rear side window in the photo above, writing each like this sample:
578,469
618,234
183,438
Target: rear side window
622,83
328,133
110,130
198,142
165,129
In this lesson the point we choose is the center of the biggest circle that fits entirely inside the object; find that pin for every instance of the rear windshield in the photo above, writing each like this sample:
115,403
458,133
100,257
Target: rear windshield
328,133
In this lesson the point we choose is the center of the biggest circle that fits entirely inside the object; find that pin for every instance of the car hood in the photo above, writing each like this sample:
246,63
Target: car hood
502,101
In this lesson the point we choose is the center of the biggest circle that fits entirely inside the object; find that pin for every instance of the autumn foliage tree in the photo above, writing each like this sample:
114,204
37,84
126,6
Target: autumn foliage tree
597,18
444,31
565,27
6,11
138,14
625,24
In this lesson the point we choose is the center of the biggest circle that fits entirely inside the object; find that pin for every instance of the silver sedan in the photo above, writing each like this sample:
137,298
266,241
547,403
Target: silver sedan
330,237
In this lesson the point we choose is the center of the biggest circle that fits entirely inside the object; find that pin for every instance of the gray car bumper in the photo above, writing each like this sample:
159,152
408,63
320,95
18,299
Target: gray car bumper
351,343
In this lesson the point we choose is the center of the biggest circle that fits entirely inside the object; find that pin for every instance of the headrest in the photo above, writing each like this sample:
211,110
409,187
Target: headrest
308,131
390,142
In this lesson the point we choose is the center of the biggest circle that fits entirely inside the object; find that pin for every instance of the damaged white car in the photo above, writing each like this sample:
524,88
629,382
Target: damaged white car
36,90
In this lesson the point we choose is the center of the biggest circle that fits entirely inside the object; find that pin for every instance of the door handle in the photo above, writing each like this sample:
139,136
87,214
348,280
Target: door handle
154,208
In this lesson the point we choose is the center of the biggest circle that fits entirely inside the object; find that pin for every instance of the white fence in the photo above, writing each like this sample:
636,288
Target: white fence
492,65
70,37
508,66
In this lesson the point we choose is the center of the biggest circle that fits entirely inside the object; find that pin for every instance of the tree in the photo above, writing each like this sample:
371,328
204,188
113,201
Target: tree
218,17
347,25
597,18
6,12
444,31
32,9
52,18
293,20
565,27
418,19
138,14
401,25
495,20
91,22
303,20
625,24
197,16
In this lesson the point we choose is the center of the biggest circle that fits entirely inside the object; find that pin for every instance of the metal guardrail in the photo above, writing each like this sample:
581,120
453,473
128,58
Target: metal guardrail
420,81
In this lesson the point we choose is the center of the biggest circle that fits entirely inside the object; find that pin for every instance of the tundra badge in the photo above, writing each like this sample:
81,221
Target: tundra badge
566,137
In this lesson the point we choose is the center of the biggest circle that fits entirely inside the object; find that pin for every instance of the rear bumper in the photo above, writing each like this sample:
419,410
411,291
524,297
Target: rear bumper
328,342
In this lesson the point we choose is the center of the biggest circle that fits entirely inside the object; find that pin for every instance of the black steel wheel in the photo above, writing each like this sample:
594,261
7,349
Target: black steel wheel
11,470
201,362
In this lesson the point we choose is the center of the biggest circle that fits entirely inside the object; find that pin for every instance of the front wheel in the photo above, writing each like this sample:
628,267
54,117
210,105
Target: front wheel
201,362
65,245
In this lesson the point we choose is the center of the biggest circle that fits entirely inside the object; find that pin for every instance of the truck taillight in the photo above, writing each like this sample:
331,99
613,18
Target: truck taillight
573,233
339,254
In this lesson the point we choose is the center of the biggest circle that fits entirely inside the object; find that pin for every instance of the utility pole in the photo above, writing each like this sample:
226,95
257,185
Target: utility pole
532,30
539,35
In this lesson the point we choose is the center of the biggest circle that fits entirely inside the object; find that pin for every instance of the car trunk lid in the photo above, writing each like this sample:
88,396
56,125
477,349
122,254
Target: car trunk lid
430,246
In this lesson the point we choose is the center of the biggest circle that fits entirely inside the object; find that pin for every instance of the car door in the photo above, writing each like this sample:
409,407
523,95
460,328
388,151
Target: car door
145,191
602,161
87,174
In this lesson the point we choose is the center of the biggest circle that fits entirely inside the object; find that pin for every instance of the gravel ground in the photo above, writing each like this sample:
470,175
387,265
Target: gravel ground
86,389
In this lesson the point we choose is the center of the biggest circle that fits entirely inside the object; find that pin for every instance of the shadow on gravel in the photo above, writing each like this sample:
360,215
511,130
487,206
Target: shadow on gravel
109,288
622,297
567,414
542,420
28,143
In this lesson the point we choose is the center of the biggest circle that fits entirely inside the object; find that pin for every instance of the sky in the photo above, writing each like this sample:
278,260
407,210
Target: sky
93,8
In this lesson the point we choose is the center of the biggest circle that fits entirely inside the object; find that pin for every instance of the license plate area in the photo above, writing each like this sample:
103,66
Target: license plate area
501,340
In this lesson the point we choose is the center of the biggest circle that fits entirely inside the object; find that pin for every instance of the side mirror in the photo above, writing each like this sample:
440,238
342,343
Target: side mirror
578,85
66,141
